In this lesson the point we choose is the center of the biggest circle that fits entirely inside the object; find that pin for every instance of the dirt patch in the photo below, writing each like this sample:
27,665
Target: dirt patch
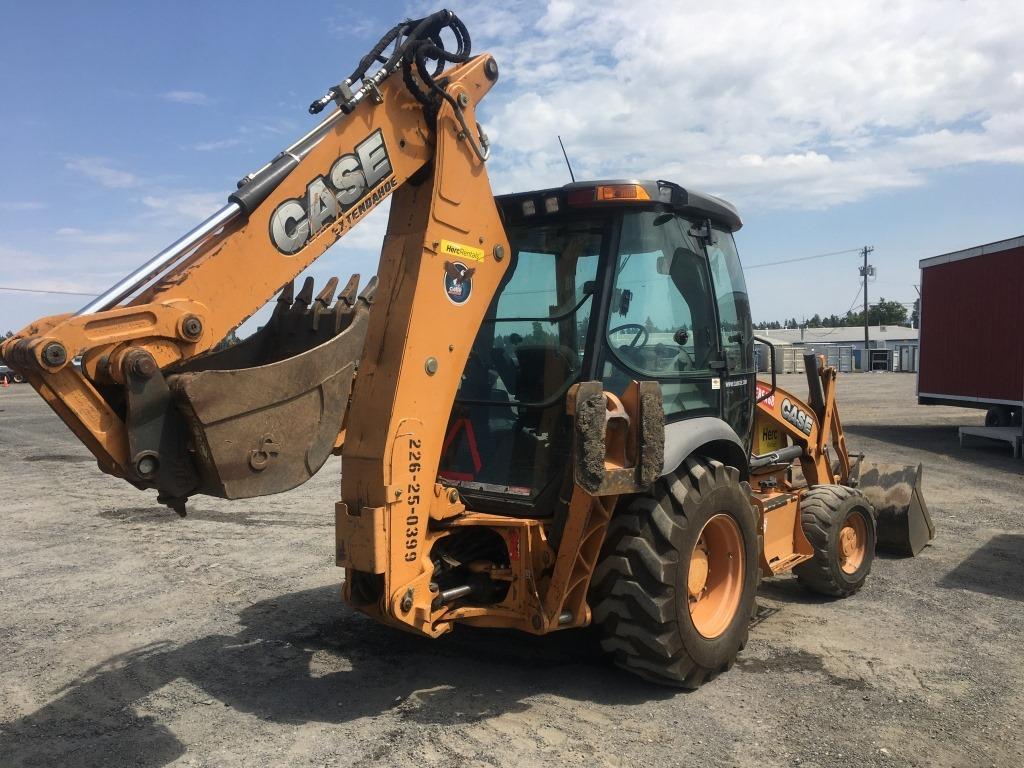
133,637
795,660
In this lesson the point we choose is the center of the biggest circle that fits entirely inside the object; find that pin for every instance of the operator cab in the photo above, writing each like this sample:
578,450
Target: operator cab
610,281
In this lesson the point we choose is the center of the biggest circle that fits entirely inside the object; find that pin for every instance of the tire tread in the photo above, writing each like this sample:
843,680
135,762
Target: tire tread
633,590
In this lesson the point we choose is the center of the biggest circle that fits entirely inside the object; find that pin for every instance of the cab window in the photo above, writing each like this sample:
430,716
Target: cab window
509,433
661,319
733,302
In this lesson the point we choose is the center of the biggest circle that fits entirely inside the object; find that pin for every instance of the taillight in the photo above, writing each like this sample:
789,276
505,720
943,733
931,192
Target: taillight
581,196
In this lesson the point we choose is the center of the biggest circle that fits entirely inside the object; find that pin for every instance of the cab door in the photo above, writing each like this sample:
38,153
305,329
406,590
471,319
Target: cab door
661,317
735,332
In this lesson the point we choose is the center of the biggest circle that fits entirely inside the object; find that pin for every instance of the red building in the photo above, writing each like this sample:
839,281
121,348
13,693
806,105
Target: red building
972,330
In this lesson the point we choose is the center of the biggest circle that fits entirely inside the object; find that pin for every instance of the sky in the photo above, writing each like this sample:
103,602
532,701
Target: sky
830,126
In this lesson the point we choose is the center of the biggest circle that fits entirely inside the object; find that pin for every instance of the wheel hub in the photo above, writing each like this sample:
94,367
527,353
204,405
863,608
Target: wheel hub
852,543
848,541
715,576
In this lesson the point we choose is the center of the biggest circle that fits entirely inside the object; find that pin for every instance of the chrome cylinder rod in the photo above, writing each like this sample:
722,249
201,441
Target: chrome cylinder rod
166,258
447,595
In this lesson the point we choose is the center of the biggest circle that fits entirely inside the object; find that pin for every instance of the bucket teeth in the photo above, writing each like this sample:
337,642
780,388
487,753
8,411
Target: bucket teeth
284,304
369,290
348,293
287,295
325,296
305,296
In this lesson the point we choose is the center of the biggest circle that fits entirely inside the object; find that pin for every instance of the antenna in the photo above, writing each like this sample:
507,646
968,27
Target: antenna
568,164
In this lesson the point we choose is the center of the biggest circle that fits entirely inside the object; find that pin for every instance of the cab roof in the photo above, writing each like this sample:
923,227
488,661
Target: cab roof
660,195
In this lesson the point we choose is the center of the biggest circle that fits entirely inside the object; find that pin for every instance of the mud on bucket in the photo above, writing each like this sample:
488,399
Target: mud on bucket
264,415
894,490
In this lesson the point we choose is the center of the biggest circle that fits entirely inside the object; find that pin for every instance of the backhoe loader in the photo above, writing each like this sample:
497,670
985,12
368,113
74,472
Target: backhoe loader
545,403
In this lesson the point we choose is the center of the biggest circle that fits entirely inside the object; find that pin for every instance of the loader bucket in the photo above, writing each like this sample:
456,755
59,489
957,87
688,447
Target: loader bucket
894,490
264,415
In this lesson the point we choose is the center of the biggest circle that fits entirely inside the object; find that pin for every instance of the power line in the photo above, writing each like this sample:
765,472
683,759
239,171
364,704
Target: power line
43,290
835,328
803,258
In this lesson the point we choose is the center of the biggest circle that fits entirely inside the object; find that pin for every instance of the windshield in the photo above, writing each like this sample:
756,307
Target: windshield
661,319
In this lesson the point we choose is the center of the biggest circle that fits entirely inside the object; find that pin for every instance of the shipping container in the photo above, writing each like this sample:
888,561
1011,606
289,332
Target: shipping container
972,326
906,358
793,359
840,357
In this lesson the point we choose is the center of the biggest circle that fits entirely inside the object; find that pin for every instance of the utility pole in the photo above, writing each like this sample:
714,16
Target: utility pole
866,271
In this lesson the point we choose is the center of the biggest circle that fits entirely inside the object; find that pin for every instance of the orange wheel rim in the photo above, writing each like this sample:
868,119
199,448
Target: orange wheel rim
853,542
715,579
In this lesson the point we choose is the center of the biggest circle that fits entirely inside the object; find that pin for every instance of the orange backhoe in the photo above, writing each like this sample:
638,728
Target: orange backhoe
545,403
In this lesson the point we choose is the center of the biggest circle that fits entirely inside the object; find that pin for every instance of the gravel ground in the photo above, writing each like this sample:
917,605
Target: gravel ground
131,637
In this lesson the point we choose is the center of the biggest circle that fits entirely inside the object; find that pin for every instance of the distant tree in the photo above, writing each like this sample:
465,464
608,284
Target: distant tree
882,313
915,314
539,335
814,322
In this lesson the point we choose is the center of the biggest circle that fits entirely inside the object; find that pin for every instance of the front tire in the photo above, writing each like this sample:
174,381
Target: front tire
840,525
675,586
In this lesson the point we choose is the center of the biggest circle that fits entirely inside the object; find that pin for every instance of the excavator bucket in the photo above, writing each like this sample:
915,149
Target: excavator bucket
263,416
904,525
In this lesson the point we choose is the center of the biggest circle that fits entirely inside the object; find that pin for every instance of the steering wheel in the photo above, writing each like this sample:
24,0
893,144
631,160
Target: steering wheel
642,332
689,358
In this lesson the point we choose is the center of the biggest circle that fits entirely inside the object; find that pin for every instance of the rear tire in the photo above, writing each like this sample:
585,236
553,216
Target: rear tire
998,416
839,522
641,590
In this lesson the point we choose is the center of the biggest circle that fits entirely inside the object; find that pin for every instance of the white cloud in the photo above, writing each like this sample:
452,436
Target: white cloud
18,206
184,207
186,97
213,146
776,105
102,171
24,268
75,235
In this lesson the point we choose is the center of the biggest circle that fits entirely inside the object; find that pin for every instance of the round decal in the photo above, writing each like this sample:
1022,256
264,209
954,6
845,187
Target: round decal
458,281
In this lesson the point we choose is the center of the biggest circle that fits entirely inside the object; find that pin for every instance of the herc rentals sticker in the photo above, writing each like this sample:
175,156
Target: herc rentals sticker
458,282
460,251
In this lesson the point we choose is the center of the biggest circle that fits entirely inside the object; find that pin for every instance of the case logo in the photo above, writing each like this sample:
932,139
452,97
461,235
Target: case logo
796,417
344,192
458,282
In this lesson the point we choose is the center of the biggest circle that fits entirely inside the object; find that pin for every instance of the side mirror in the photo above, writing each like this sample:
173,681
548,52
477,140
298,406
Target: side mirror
704,231
624,301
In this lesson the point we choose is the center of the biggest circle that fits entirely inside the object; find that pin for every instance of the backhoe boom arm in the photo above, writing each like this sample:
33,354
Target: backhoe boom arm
167,316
